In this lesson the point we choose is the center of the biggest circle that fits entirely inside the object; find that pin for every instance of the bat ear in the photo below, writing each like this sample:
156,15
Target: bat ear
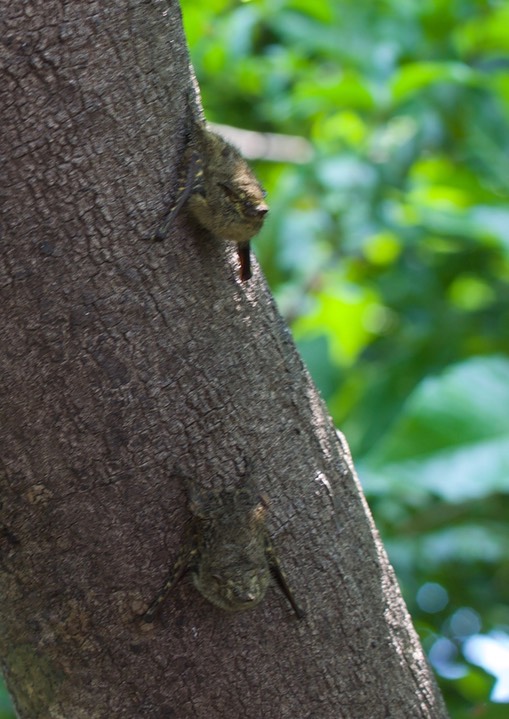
244,253
258,512
264,501
248,467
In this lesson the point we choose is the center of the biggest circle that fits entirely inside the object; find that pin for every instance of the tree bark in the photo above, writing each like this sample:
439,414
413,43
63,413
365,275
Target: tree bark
125,363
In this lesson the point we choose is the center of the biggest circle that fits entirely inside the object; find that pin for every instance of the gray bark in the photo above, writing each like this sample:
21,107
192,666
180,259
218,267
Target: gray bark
123,359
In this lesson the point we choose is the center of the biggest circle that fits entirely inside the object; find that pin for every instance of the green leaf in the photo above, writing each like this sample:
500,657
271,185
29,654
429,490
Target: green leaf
486,34
339,314
418,75
452,438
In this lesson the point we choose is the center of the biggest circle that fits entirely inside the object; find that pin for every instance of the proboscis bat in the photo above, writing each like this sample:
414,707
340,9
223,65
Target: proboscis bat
221,192
229,553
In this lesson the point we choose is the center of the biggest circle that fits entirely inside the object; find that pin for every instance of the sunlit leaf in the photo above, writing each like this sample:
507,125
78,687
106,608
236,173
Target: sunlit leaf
453,437
418,75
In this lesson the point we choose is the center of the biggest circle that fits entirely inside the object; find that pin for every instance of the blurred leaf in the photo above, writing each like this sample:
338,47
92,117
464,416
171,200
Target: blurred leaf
475,686
418,75
6,711
336,315
453,437
485,34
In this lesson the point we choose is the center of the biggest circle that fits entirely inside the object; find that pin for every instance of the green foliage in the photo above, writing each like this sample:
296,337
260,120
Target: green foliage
6,711
389,255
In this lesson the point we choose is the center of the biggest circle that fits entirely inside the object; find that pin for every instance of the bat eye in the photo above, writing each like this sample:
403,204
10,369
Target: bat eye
229,191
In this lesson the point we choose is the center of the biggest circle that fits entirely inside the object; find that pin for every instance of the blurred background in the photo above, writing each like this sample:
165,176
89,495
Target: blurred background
387,249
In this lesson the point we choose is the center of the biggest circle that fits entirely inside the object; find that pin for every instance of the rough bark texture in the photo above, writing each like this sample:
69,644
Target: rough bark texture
122,359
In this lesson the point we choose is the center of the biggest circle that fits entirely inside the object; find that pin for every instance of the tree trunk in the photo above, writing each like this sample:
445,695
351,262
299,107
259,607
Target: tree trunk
127,363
